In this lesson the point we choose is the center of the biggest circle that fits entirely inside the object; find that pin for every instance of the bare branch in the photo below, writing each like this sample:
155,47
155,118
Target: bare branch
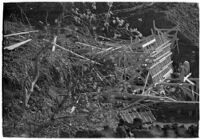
72,52
20,33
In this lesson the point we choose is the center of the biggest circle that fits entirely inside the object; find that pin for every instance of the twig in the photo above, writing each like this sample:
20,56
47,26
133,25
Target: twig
54,41
104,38
135,102
155,97
11,47
20,33
46,18
175,84
72,52
70,116
187,102
22,12
133,8
98,74
145,83
110,49
84,44
190,90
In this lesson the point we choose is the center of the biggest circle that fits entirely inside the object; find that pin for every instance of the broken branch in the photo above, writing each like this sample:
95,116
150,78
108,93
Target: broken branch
20,33
72,52
84,44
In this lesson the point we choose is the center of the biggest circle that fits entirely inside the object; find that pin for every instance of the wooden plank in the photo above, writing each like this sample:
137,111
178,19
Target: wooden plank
163,44
160,49
161,54
152,116
130,117
144,117
167,54
148,43
133,115
148,119
165,67
167,75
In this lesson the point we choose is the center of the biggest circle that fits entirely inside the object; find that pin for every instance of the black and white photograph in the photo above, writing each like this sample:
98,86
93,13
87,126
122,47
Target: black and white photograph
109,69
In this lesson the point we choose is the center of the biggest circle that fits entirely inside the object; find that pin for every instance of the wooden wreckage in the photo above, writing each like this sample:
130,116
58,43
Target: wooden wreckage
144,68
171,99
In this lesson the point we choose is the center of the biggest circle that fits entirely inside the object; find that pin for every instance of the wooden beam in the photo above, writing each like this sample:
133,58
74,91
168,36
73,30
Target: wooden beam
148,43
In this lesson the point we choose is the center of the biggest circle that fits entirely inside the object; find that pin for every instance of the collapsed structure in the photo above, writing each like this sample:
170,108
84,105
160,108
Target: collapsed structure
142,67
159,86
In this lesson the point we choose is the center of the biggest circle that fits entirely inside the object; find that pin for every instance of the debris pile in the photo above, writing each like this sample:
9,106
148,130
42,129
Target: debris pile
65,80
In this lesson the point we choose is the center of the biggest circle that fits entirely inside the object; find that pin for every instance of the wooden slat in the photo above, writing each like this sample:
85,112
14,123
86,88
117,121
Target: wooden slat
130,117
160,49
167,75
122,115
147,116
167,54
162,57
133,114
161,54
144,117
163,44
165,67
151,115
